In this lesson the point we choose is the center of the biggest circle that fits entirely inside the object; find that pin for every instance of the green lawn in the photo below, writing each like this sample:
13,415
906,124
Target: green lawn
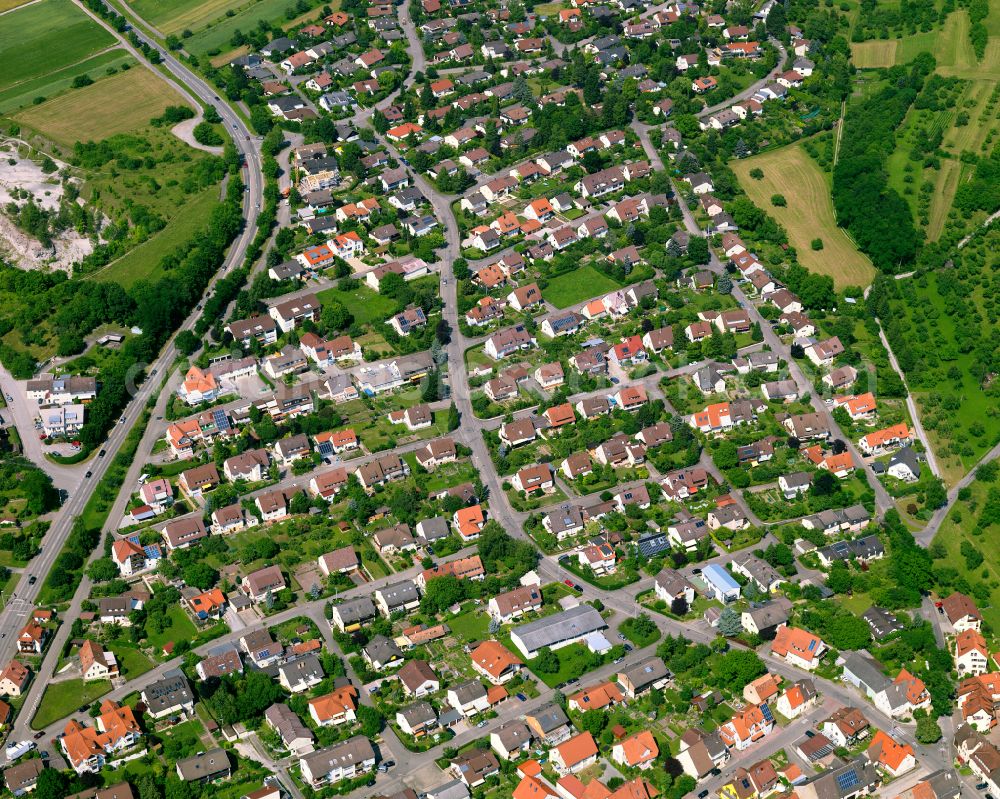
45,37
49,85
143,263
577,286
62,698
573,661
472,625
131,661
367,306
181,628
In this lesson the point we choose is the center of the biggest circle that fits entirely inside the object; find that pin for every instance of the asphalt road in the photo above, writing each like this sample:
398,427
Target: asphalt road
15,612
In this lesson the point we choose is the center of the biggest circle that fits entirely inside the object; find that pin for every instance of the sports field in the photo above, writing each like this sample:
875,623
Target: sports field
873,54
46,37
808,215
120,104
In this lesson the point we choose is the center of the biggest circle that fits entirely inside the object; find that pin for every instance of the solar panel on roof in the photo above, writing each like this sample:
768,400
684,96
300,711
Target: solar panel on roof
220,419
848,780
765,711
152,551
133,539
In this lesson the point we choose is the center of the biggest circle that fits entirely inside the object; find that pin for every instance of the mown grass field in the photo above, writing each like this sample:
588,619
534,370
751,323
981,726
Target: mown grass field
576,286
174,16
120,104
873,54
216,36
23,94
808,215
45,37
7,5
143,263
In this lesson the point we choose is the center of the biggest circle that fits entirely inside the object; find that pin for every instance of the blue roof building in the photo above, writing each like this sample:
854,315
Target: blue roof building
720,583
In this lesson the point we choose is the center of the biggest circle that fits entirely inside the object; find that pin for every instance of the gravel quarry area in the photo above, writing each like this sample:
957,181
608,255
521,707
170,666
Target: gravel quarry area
19,173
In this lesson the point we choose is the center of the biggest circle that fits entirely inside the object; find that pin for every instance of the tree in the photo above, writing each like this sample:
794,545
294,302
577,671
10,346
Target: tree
546,661
778,200
738,667
824,484
757,174
187,342
51,784
816,244
729,622
441,593
698,250
454,420
679,606
724,285
594,722
370,719
200,575
102,570
928,730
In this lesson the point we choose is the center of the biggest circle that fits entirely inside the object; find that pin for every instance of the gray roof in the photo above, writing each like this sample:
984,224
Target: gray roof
573,623
354,610
867,670
549,717
169,692
513,734
770,615
646,672
203,766
844,780
881,622
307,667
453,789
433,529
350,752
382,650
468,691
399,593
907,456
418,713
288,725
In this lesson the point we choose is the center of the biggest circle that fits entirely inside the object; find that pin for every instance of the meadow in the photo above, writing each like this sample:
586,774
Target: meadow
45,37
122,103
217,35
143,263
808,215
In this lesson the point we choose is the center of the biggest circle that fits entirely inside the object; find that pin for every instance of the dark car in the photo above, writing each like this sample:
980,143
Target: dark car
102,453
83,709
703,794
88,474
981,786
32,580
578,587
39,734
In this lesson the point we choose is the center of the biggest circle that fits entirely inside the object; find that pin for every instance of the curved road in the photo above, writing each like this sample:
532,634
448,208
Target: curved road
14,614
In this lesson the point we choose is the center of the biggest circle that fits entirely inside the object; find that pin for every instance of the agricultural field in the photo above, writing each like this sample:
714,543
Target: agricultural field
45,87
44,38
175,16
808,215
873,54
122,103
216,36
